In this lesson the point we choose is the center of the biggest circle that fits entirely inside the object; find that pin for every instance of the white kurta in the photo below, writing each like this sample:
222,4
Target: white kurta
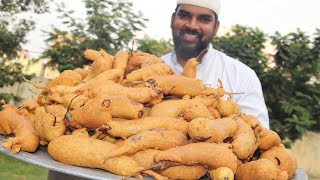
235,76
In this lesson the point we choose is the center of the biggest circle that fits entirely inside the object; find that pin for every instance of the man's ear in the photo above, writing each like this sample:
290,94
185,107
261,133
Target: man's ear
216,27
172,19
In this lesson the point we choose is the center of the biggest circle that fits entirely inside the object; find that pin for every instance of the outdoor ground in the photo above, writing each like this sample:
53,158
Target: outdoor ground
13,169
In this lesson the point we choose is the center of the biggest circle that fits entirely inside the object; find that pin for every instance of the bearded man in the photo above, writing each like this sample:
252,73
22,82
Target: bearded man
194,24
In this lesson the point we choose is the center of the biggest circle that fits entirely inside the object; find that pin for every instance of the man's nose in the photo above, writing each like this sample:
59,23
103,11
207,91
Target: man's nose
192,23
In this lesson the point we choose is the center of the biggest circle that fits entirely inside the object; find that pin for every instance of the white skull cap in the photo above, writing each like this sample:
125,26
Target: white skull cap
214,5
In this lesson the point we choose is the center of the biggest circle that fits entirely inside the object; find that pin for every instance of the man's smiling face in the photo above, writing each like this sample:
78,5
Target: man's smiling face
193,28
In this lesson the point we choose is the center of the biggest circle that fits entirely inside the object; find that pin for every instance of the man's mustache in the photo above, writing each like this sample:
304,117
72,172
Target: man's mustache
191,32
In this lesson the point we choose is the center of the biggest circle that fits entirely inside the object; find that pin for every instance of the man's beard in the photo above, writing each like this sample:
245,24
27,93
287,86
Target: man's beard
185,51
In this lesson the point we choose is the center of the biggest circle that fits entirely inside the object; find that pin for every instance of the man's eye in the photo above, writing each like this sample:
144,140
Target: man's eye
183,15
205,19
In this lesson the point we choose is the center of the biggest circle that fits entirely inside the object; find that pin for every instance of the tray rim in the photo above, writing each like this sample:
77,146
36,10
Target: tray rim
42,158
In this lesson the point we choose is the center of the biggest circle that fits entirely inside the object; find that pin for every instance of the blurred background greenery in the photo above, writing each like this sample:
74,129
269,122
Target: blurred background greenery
13,169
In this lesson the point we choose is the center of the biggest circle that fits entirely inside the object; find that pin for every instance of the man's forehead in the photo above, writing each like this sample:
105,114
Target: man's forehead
193,9
213,5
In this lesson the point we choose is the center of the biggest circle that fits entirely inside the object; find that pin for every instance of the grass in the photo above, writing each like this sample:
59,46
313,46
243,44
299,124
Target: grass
14,169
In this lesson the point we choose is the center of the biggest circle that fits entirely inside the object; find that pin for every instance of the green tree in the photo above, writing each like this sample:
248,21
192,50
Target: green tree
13,31
156,47
292,90
290,79
245,44
316,54
109,25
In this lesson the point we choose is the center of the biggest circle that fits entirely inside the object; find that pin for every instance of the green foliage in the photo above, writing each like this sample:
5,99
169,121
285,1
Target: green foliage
298,93
152,46
66,52
13,31
109,25
290,82
14,169
9,74
245,44
11,40
17,6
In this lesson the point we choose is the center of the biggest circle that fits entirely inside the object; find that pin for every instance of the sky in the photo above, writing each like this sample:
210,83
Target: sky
270,16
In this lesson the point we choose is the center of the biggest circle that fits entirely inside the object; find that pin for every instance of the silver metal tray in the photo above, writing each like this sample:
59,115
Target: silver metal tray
42,158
